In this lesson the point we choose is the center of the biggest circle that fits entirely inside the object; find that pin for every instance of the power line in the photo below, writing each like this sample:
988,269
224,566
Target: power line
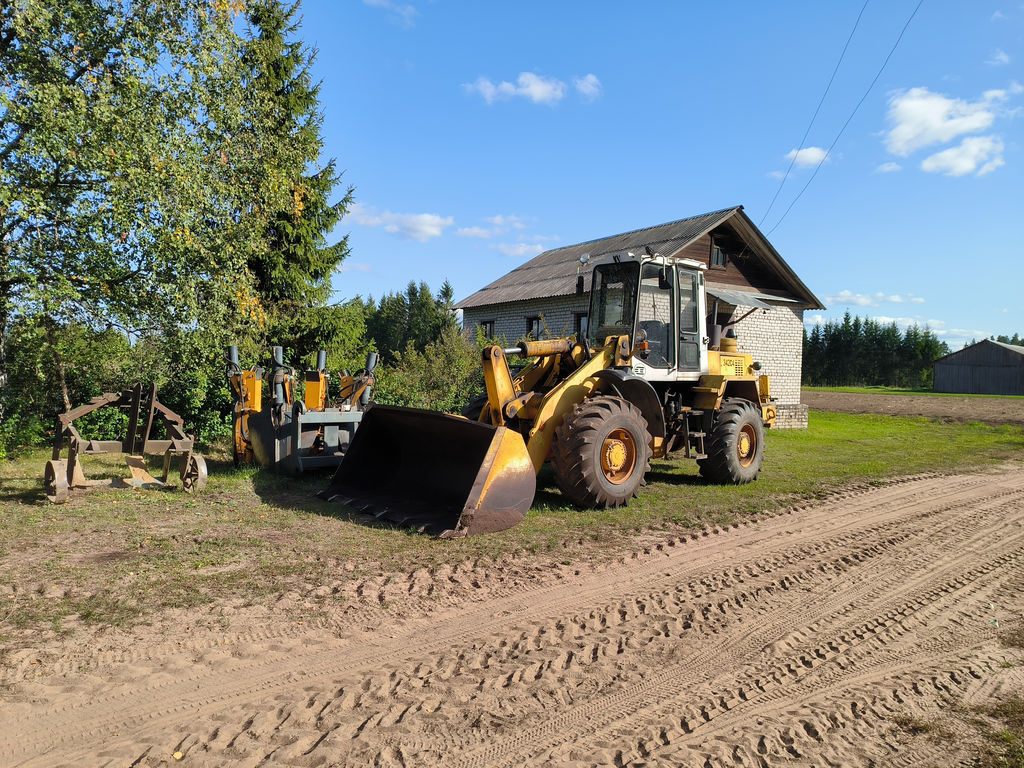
841,130
816,110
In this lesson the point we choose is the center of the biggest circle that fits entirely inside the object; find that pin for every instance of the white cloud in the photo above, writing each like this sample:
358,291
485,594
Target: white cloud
999,58
402,14
977,154
776,174
919,118
355,266
410,226
807,157
998,16
520,249
473,232
1016,87
816,319
888,168
588,86
504,223
849,298
535,88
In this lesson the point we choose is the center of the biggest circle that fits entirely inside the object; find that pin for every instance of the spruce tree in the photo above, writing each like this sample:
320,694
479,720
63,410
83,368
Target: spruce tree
293,273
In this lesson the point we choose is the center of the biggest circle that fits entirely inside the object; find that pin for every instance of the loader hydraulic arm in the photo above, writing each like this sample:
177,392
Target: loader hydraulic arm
507,395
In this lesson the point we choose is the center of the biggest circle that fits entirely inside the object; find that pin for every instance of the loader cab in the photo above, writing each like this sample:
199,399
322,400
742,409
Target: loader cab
657,299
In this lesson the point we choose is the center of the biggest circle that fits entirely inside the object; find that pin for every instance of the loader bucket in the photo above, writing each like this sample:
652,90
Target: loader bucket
438,473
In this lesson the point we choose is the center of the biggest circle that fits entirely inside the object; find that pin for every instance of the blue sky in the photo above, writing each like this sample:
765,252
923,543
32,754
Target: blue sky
479,134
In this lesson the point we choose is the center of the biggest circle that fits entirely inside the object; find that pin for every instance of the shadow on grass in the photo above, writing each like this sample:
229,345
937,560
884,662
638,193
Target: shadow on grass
675,478
300,494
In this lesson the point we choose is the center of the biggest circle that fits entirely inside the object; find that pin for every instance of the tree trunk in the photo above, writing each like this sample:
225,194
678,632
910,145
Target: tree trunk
59,371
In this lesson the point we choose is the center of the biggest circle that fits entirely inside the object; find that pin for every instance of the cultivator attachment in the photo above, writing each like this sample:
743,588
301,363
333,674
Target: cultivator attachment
437,473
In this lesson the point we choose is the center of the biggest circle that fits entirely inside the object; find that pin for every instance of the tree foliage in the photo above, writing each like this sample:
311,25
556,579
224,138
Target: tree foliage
155,180
866,352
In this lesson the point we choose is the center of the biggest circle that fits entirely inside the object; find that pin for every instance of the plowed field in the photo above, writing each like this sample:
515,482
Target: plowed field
802,638
988,410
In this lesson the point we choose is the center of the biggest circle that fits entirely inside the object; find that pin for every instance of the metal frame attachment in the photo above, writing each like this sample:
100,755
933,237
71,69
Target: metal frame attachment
143,408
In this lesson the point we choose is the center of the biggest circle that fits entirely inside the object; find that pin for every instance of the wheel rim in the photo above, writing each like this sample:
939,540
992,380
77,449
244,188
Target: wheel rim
618,456
746,445
195,475
56,482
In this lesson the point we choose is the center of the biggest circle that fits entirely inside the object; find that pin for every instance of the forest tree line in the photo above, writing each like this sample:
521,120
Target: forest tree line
856,352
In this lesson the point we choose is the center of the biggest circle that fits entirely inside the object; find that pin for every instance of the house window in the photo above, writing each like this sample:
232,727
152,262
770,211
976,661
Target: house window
533,327
717,255
581,324
487,326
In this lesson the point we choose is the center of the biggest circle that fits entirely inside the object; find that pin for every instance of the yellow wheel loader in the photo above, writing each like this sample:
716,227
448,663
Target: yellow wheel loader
648,377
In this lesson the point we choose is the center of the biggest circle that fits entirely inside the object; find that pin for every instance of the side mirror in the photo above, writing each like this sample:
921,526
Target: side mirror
664,282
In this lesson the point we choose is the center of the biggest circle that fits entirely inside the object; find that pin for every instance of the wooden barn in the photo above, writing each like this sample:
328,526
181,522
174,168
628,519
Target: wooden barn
747,280
986,368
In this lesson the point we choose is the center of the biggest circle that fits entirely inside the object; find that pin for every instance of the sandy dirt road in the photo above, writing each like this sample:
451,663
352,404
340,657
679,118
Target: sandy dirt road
794,640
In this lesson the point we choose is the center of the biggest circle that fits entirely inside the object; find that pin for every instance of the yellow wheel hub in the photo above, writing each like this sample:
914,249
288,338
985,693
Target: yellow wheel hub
746,445
618,456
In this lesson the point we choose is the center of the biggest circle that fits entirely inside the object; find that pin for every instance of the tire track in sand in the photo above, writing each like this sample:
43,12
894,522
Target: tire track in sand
821,581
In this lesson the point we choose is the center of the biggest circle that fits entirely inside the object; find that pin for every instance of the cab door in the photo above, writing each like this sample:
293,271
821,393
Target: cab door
692,347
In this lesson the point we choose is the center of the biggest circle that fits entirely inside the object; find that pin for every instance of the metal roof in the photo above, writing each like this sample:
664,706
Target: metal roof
1011,347
554,272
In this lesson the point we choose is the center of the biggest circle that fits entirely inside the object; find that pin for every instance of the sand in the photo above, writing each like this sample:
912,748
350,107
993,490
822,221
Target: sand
797,639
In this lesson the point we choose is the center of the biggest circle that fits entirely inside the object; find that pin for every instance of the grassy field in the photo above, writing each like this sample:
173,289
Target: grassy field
897,391
115,556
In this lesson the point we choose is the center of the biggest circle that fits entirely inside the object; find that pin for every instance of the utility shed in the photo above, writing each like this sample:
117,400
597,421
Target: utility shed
986,368
745,278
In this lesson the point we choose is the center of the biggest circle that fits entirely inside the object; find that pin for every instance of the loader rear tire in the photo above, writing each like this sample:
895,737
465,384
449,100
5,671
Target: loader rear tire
602,452
736,445
473,410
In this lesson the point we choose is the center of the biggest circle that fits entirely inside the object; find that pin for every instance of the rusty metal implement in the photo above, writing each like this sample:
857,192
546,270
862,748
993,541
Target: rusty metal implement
437,473
143,409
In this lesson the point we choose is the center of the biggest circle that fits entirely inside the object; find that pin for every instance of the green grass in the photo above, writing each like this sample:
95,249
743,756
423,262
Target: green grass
116,556
1004,746
898,391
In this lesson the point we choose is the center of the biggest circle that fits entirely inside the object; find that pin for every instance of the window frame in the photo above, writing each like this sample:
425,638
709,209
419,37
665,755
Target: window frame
487,326
579,319
719,250
533,323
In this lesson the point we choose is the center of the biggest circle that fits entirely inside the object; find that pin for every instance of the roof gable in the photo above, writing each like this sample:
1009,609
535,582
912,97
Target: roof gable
554,272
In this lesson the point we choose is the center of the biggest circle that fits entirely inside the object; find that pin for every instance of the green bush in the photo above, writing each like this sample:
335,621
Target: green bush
441,378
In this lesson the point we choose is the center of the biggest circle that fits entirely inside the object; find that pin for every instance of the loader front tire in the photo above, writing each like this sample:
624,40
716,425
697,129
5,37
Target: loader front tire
602,452
736,444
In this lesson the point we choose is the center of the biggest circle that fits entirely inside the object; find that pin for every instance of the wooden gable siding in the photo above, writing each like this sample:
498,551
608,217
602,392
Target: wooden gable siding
749,272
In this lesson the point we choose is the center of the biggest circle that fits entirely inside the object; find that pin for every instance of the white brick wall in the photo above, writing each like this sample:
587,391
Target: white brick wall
774,337
558,316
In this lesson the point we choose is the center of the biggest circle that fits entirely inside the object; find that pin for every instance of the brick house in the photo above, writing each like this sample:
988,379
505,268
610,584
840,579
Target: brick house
747,280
